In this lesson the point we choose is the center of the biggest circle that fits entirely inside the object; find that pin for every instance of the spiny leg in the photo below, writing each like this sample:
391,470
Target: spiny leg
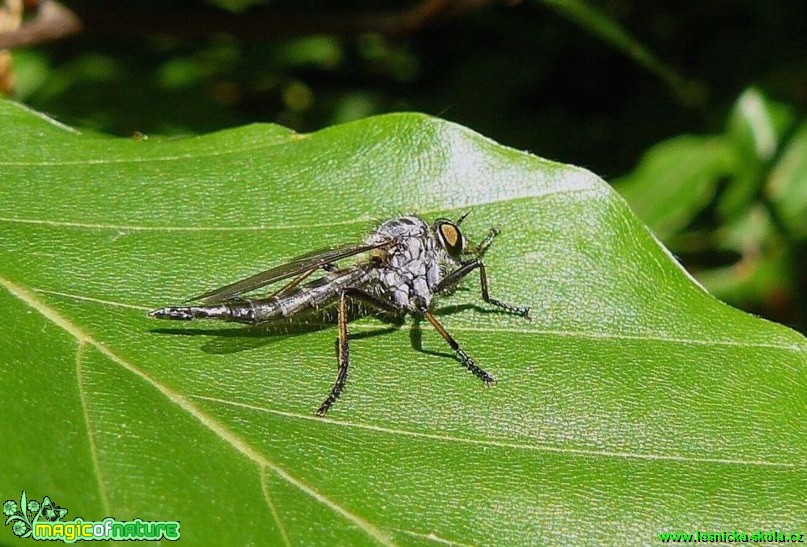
482,247
454,277
291,285
372,301
344,358
464,357
483,278
416,338
523,311
342,342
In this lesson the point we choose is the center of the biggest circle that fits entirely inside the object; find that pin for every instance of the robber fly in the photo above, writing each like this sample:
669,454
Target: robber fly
408,263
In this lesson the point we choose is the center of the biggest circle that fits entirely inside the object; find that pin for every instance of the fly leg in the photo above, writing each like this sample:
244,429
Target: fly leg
482,247
291,285
343,347
523,311
454,277
374,302
463,357
344,358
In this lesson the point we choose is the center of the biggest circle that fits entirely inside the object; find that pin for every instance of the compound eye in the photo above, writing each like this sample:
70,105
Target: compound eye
451,238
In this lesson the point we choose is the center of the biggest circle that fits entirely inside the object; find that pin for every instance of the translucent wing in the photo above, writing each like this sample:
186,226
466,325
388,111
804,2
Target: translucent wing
294,267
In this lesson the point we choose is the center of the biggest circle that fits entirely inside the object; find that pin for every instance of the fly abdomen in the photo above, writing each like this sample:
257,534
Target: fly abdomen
238,311
317,293
188,313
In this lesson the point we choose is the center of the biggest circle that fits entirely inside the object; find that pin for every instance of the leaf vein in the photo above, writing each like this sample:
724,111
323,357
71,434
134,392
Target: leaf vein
360,220
136,228
267,496
431,536
498,443
146,158
90,431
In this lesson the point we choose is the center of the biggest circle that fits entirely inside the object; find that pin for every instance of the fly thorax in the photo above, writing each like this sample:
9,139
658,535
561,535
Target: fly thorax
412,267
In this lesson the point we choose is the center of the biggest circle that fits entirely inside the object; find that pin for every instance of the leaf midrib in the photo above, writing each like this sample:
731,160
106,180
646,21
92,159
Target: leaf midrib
497,443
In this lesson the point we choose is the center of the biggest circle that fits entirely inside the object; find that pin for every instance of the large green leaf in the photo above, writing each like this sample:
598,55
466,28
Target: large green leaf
634,403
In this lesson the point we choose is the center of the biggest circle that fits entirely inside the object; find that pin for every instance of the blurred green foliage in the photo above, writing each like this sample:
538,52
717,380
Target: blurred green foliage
695,107
733,206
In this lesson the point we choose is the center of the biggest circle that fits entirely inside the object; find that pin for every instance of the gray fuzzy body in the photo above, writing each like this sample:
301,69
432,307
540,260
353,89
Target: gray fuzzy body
413,267
406,276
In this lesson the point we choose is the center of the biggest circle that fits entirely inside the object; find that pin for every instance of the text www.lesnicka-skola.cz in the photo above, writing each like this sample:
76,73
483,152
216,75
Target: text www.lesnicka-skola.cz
760,536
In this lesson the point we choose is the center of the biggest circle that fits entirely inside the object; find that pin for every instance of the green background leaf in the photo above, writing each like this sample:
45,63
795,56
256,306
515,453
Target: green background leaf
675,180
634,403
